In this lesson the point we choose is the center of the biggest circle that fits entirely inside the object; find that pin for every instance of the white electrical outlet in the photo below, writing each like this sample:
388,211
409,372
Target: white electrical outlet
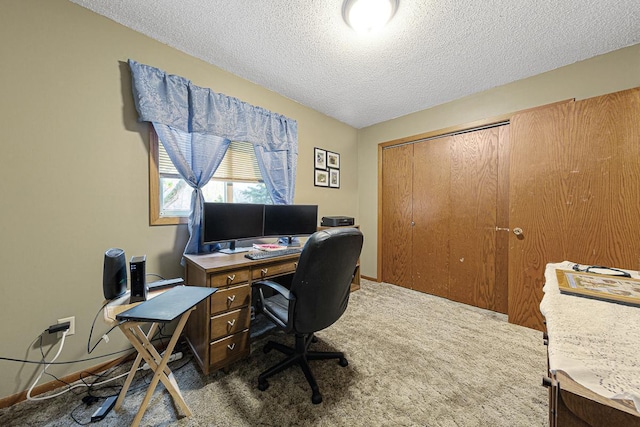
72,324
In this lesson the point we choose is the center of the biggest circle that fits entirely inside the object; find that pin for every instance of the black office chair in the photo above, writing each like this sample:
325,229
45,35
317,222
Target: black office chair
318,296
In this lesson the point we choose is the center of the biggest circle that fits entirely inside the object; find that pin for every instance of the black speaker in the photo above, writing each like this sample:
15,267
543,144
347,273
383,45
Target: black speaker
114,275
138,278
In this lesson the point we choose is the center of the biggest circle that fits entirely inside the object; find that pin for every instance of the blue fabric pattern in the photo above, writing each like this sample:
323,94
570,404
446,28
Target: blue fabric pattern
196,126
196,158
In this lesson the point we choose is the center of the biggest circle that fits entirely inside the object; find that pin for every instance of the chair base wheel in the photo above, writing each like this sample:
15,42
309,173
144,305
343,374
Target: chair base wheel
316,398
263,385
343,362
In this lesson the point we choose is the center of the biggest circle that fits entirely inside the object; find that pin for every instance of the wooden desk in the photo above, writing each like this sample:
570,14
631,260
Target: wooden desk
218,333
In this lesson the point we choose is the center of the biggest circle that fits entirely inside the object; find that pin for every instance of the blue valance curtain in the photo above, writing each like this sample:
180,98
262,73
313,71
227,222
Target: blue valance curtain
196,126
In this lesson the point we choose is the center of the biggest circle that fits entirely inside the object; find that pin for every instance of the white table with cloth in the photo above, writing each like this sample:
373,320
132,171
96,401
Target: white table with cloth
595,342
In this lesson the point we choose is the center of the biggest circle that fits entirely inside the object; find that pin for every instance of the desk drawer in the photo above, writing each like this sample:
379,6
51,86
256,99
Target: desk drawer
228,278
230,298
229,349
230,323
271,270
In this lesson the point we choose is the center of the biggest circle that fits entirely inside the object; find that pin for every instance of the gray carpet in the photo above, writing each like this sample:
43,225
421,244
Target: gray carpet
414,360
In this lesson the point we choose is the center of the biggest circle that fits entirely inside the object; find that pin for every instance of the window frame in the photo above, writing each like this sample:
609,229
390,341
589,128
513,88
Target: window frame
154,186
155,183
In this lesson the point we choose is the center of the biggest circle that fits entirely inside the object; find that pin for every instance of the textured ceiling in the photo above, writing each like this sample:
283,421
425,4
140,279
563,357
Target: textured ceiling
431,52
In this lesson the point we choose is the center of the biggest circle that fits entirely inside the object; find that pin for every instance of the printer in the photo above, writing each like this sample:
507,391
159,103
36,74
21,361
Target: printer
336,221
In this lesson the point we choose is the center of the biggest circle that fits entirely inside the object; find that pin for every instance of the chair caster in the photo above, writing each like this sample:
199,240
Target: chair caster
316,398
267,348
314,339
263,385
343,362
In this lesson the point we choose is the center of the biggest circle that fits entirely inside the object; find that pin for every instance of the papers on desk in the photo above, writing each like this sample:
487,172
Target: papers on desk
268,247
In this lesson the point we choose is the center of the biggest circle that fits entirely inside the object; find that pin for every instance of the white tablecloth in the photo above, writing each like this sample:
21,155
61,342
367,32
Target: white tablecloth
596,343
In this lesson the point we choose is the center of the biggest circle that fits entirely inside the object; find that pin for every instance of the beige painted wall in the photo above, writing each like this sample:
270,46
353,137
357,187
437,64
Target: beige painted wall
74,172
74,162
608,73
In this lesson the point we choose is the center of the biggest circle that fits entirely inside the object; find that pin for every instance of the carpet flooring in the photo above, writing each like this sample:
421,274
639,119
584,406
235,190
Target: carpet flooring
414,360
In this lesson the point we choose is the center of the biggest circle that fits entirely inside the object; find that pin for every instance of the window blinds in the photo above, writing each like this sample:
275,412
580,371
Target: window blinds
238,164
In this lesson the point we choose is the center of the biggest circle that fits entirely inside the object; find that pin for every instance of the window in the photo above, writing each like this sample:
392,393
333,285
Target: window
237,180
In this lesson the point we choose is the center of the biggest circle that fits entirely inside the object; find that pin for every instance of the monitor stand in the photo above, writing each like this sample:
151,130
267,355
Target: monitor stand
291,243
233,250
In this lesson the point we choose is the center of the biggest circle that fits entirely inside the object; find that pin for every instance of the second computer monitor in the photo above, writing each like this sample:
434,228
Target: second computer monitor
290,220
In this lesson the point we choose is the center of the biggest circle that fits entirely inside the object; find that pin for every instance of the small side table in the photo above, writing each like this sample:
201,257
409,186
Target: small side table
175,303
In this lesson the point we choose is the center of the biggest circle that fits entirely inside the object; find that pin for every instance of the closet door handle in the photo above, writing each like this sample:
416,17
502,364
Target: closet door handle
518,231
413,224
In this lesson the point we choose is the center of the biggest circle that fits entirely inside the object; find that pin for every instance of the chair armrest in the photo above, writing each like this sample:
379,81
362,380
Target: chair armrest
262,304
276,287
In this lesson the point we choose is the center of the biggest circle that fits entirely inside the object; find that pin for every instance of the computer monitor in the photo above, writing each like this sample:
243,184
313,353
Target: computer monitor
229,222
290,220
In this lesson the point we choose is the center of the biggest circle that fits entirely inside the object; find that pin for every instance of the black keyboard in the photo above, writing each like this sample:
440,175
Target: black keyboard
272,254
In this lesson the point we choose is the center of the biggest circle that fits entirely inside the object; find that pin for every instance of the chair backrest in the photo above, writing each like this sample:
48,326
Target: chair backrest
323,277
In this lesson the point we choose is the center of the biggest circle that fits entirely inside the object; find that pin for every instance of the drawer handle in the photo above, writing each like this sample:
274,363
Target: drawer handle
231,347
231,322
231,298
231,278
264,272
295,265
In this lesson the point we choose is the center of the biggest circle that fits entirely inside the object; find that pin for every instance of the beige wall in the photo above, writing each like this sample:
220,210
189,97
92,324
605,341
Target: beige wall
74,174
612,72
74,162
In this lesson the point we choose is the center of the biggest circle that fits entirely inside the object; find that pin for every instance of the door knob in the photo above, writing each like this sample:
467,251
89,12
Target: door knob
517,231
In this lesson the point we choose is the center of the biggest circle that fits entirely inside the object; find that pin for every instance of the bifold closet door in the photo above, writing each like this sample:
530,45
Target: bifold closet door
397,196
574,192
440,213
431,215
473,220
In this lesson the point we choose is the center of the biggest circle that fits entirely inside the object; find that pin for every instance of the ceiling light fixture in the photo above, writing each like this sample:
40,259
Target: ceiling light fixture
366,16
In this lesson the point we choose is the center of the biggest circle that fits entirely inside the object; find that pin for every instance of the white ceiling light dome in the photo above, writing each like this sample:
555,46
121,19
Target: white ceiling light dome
366,16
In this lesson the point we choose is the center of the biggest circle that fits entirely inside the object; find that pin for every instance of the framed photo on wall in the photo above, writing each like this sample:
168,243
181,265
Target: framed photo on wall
320,157
321,178
334,178
333,160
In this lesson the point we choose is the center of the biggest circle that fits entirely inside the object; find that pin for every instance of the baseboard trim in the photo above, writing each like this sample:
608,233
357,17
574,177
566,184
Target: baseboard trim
373,279
5,402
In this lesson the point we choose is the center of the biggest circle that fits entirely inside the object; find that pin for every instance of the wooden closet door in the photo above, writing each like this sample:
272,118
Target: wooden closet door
574,192
397,190
431,216
473,219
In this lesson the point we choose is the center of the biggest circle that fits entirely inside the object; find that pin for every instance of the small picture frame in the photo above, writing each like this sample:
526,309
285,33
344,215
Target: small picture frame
333,160
320,157
321,178
334,178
